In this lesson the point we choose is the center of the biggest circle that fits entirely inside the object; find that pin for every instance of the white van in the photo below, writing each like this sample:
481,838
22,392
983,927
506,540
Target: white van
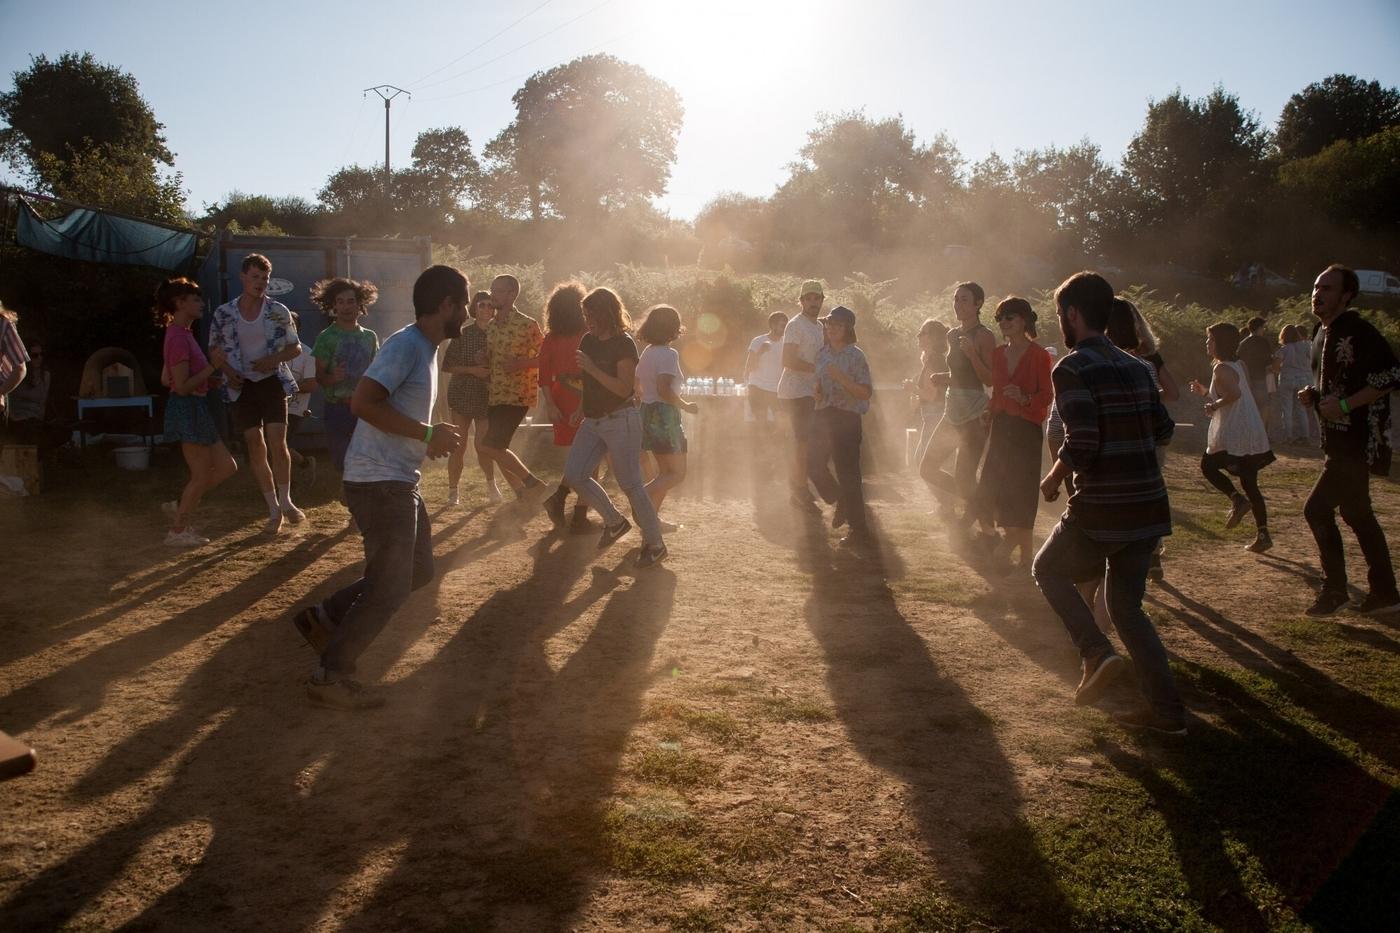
1376,282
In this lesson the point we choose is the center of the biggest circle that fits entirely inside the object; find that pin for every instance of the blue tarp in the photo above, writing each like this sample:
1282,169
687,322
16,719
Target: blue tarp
95,236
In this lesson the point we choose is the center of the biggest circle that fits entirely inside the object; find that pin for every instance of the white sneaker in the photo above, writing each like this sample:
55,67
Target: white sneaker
493,493
293,514
187,538
171,507
453,498
274,523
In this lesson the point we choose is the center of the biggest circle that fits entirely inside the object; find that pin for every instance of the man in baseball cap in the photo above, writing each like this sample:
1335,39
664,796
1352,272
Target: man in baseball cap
797,389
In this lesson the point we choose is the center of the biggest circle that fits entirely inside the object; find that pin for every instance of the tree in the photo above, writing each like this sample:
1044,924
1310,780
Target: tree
290,214
1335,108
426,197
449,171
589,137
1356,184
81,130
1072,186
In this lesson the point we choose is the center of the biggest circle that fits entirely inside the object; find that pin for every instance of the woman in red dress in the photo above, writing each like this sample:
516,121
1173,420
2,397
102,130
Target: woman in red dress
561,385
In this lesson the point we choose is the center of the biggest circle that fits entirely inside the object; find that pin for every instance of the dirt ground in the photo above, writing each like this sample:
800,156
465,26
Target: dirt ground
765,732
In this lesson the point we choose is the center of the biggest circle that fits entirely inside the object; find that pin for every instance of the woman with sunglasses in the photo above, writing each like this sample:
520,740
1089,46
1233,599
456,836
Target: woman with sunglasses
465,362
1021,392
843,395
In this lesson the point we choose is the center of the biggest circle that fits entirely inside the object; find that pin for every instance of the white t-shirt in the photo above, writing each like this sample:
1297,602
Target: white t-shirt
252,338
769,368
806,335
658,361
303,369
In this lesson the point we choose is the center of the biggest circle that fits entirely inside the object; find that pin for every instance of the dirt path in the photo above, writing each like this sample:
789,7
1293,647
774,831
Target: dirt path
764,733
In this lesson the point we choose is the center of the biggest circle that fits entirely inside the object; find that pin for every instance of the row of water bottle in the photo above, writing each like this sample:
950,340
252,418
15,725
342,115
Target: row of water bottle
707,385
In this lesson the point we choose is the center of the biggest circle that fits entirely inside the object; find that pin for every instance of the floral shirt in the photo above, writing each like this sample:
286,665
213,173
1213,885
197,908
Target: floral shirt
830,393
513,336
1349,355
278,332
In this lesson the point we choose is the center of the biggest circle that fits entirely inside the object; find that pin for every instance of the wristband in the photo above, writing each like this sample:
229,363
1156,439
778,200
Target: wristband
428,438
1342,403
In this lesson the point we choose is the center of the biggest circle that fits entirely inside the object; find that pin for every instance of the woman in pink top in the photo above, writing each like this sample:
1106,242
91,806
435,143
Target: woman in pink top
1021,394
179,303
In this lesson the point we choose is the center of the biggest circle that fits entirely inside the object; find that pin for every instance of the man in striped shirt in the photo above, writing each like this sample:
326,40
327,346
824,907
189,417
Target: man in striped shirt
1114,419
13,359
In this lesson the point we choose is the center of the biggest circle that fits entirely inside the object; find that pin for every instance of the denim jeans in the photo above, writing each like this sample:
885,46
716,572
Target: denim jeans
398,559
1345,486
618,434
836,436
340,425
1069,556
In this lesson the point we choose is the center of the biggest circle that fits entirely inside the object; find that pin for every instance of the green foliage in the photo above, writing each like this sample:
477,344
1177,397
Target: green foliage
259,213
1339,107
1353,182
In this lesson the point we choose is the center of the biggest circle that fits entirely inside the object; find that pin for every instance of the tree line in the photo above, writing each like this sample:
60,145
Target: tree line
1203,189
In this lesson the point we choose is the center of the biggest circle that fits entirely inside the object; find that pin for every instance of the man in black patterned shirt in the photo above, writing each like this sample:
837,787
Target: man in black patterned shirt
1355,371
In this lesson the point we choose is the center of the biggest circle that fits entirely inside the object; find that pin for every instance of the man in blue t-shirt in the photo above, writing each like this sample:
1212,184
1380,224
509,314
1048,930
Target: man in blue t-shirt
394,402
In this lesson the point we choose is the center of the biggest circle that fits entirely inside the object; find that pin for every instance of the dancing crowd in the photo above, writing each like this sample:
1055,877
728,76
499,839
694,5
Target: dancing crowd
988,401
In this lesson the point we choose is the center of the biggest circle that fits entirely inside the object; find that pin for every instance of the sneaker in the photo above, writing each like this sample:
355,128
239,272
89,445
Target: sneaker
1237,510
580,525
534,486
554,508
1379,604
453,497
1262,542
668,527
308,622
1151,721
612,532
187,538
170,508
293,514
274,523
1327,603
859,542
1099,672
493,494
651,555
838,518
343,694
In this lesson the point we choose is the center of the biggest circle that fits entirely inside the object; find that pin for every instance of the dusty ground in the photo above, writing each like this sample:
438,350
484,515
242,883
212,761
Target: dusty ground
764,733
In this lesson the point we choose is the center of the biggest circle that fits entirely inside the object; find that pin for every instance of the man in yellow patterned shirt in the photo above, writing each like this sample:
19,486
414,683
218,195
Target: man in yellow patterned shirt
513,342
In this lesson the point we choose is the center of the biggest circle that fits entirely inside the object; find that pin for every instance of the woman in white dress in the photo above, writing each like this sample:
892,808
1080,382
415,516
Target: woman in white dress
1236,441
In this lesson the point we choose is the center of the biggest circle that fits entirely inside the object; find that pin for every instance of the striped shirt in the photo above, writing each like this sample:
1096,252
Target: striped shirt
12,352
1114,419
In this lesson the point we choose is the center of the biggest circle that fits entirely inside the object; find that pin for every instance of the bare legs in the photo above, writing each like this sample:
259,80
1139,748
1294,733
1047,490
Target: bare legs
670,474
210,465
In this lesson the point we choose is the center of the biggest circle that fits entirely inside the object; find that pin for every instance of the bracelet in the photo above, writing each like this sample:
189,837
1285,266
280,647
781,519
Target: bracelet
428,438
1342,404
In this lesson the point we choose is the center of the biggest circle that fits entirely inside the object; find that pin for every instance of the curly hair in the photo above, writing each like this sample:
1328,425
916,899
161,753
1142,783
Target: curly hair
168,293
661,326
604,304
563,312
324,292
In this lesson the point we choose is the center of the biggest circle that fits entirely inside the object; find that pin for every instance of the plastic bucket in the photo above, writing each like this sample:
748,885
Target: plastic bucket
132,458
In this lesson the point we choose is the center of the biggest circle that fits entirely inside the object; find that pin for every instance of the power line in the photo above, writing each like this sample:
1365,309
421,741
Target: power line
525,45
482,44
525,74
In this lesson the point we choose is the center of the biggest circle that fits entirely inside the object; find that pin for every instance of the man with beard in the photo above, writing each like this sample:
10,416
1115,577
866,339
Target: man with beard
1114,419
393,402
1355,370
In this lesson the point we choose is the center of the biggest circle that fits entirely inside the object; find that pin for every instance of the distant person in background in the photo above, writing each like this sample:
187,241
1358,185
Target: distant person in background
29,404
1356,372
179,303
844,388
926,391
659,378
343,351
962,431
1021,394
561,389
1114,420
258,340
802,341
609,424
1236,441
1257,354
394,402
763,369
1294,358
304,372
14,360
513,342
468,394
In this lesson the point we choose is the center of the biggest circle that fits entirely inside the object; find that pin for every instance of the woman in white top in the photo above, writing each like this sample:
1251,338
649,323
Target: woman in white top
1236,441
658,377
1294,358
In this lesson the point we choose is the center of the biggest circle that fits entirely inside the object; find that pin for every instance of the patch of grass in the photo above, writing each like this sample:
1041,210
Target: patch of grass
782,708
928,910
959,588
652,840
755,840
675,768
697,920
1368,657
719,727
896,862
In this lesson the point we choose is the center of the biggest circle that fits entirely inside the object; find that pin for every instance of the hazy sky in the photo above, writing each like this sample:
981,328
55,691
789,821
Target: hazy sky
266,97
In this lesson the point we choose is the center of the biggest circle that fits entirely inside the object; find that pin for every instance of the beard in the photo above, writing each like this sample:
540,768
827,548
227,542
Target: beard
1067,332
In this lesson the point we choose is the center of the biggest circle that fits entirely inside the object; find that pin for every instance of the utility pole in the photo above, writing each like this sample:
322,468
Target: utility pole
383,91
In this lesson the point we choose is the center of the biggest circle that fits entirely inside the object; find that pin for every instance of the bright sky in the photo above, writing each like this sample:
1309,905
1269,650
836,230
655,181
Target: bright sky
266,97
